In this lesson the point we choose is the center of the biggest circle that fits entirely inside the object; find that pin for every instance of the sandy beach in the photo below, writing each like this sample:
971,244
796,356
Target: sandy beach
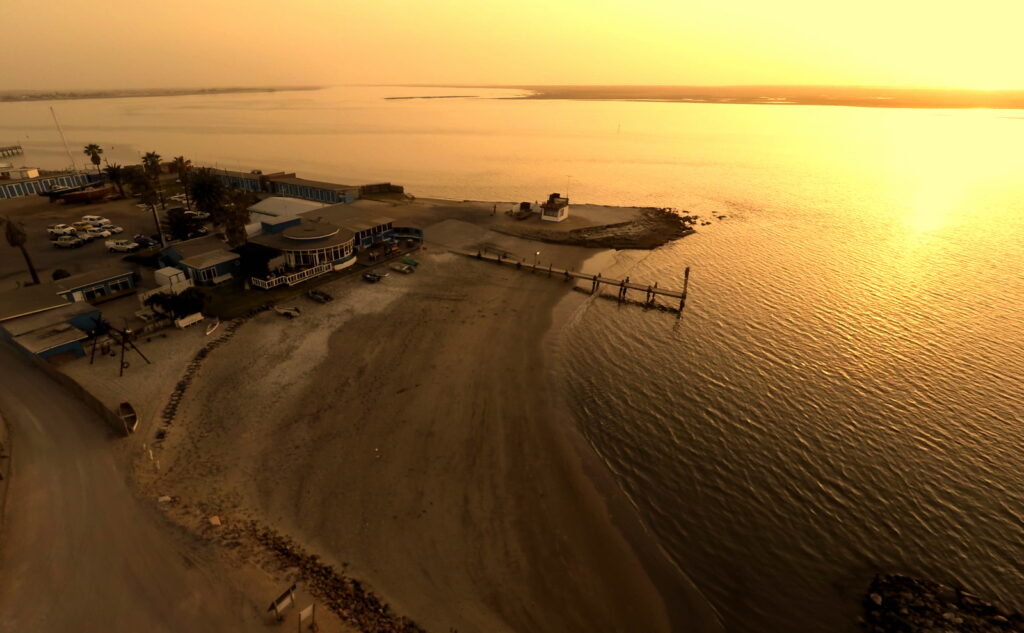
412,434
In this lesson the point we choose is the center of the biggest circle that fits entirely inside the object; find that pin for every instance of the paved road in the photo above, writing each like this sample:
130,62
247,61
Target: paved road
79,552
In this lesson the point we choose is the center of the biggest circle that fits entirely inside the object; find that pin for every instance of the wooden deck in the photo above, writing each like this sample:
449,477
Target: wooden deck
622,286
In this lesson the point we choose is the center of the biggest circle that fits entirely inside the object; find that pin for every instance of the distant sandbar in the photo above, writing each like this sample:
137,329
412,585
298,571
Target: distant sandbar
52,95
857,96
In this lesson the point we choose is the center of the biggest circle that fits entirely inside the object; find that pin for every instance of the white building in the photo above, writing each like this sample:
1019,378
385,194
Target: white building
555,209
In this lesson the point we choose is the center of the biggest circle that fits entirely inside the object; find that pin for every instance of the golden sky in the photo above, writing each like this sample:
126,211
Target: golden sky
185,43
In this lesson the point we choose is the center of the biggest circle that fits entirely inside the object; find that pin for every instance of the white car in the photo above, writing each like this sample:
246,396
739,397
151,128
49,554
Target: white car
60,229
95,220
114,230
199,215
121,246
68,241
95,232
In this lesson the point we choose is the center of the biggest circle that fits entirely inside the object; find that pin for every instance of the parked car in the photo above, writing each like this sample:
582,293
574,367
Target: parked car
95,220
81,226
199,215
68,241
95,232
57,230
121,246
144,241
114,230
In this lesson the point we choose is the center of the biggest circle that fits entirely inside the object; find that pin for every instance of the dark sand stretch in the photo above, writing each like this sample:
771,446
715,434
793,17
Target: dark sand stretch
413,435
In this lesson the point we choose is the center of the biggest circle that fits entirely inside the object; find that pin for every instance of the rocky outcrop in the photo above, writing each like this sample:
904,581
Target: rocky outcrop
901,604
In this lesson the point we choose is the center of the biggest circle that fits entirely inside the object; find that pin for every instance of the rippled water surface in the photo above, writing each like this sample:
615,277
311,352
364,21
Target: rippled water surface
844,392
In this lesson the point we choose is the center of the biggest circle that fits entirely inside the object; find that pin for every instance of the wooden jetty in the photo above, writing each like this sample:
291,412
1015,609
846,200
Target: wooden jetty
622,286
11,150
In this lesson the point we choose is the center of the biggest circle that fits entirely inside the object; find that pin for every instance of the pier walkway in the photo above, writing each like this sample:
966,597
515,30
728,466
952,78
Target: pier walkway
11,150
596,281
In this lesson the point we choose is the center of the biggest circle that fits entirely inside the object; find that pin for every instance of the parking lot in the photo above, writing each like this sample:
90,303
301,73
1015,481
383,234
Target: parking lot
36,213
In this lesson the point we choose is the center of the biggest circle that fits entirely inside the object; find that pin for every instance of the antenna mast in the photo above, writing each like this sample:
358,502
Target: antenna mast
61,132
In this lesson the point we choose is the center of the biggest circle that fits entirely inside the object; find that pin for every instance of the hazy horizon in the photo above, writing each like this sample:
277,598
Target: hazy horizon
652,42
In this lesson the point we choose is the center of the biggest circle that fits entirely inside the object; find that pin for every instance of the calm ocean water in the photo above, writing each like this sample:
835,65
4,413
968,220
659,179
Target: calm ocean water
845,391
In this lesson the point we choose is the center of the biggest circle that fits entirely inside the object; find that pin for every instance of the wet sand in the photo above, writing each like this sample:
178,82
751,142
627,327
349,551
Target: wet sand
412,433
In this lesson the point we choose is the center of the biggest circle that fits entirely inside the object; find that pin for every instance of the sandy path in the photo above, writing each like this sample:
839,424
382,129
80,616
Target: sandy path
80,552
409,430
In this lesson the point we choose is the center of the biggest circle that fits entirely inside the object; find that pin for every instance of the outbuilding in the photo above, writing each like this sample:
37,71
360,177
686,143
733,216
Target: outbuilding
96,286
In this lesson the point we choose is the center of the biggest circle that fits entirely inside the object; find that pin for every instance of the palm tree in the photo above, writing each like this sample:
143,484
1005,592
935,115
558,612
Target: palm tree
16,237
116,174
93,151
151,165
207,191
183,167
142,187
236,216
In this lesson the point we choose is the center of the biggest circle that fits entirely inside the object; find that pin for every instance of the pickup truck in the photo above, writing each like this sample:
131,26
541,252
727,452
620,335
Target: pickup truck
68,241
121,246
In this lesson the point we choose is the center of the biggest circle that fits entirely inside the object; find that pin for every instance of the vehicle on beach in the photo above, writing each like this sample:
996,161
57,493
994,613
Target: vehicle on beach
373,277
319,296
60,229
68,241
405,269
121,246
410,261
290,313
95,220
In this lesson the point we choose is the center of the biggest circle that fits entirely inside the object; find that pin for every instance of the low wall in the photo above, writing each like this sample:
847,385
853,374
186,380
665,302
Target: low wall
77,390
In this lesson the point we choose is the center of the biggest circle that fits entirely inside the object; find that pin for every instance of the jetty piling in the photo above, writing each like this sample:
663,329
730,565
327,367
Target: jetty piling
622,286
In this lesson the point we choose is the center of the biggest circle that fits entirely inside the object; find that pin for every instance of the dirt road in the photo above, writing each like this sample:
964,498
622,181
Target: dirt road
79,552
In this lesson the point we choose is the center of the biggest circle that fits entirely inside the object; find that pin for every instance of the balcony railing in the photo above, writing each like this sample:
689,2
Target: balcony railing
293,278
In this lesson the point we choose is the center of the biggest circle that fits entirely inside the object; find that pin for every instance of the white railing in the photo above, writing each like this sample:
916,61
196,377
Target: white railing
292,279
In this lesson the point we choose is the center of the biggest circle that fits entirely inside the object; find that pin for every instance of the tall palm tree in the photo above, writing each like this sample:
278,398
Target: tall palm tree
151,162
116,174
16,237
183,167
151,165
93,151
208,191
236,215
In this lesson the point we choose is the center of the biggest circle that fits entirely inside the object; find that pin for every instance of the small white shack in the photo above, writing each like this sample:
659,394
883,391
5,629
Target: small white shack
555,209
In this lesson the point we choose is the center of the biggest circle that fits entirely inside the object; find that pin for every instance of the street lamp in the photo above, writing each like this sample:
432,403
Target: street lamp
536,258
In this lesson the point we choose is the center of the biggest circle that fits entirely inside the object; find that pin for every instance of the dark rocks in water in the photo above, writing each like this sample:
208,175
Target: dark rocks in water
901,604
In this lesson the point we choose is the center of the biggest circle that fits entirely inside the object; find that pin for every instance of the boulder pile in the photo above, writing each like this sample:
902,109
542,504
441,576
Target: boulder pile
901,604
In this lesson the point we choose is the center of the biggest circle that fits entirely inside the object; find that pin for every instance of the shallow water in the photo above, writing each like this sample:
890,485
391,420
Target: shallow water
845,391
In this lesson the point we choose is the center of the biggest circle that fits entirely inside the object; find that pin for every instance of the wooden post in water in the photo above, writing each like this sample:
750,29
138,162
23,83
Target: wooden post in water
686,283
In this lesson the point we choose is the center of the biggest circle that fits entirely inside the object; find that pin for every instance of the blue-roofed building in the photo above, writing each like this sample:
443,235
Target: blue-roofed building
206,261
318,191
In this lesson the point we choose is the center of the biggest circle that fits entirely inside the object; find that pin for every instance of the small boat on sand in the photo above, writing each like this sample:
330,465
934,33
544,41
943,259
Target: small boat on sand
126,412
